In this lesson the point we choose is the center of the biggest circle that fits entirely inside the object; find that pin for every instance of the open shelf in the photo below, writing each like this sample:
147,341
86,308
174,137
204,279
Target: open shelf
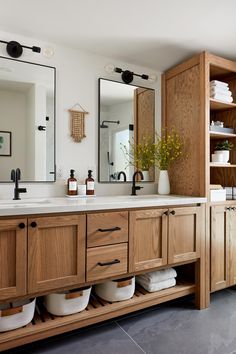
45,325
219,135
216,105
221,165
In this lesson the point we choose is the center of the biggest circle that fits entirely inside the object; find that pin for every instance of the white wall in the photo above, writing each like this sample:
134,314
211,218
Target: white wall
77,81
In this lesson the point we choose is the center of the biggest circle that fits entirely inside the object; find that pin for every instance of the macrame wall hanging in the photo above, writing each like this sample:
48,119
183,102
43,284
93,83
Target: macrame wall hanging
77,122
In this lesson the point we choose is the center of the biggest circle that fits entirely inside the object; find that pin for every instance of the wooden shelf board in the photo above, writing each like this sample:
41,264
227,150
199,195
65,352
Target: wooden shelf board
217,105
222,165
45,325
219,135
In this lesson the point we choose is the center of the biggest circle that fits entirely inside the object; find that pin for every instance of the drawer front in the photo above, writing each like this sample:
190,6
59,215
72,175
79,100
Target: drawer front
107,228
106,261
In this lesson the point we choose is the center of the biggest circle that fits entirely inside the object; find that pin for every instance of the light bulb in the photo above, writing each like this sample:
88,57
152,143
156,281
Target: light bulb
152,78
48,52
110,68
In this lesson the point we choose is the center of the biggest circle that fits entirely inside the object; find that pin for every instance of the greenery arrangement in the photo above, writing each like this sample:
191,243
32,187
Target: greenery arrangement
161,153
141,155
168,148
224,145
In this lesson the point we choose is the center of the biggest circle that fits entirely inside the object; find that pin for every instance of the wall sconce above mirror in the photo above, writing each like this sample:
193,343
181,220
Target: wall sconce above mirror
27,113
126,114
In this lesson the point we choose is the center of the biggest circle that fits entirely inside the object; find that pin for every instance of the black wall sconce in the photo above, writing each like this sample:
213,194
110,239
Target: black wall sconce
15,49
127,76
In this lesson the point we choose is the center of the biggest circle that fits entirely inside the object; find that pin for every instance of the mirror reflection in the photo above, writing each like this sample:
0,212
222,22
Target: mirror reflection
126,113
27,108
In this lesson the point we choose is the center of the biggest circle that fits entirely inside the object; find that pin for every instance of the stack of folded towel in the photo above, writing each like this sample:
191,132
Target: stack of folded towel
219,90
158,280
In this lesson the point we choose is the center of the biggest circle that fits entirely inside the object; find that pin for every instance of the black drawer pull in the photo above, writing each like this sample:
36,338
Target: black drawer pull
229,208
109,263
33,224
116,228
172,212
21,225
166,212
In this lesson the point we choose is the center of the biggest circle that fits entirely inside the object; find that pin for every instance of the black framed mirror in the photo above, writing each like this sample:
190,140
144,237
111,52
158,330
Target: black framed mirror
27,112
126,113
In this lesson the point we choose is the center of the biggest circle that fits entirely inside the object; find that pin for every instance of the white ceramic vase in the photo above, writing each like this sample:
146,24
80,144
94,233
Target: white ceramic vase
163,182
146,176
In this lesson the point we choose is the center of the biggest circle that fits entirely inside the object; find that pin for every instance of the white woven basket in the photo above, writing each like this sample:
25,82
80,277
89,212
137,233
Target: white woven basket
67,302
116,290
16,315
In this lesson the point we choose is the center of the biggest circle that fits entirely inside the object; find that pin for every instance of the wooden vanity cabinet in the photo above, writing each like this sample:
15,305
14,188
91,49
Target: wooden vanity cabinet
13,257
56,252
185,227
148,239
164,236
223,246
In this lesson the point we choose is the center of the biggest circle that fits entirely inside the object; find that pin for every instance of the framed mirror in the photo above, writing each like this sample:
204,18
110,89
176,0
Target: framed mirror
27,120
126,113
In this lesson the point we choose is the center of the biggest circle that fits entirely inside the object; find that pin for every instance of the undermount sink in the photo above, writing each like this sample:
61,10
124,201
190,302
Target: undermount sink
142,197
23,203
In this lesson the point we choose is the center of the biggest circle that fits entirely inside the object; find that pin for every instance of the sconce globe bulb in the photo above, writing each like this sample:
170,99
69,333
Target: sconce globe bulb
110,68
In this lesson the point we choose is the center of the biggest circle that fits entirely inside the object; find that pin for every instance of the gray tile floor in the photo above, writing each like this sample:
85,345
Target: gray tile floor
171,328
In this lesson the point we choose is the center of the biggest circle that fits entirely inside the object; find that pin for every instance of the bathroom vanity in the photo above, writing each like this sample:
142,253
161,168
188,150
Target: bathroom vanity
55,244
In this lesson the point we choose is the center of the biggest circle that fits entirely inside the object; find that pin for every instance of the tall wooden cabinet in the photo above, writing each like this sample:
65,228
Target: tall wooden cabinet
188,107
13,257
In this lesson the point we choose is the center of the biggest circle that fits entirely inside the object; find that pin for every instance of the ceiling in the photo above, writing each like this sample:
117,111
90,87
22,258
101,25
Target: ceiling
153,33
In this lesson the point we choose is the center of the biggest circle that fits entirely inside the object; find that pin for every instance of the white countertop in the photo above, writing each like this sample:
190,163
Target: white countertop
60,205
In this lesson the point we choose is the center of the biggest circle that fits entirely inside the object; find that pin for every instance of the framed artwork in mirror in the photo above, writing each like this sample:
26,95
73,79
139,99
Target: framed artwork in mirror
5,143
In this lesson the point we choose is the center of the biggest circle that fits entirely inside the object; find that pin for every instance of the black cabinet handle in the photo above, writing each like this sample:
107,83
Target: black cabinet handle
166,212
108,263
229,208
33,224
21,225
172,212
116,228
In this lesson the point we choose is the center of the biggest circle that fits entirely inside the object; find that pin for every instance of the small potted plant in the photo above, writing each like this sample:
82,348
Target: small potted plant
168,148
223,148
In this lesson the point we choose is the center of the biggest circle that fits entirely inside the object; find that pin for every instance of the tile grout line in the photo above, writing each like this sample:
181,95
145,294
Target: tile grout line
130,337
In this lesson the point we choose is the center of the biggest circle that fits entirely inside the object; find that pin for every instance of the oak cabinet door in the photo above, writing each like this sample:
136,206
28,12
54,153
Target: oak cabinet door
147,239
184,234
13,259
219,247
231,236
56,252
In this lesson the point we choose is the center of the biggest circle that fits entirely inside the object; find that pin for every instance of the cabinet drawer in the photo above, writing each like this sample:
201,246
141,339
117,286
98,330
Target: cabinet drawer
107,228
106,261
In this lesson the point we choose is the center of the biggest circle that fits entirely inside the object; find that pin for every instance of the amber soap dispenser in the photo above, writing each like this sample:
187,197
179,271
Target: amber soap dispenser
72,184
89,183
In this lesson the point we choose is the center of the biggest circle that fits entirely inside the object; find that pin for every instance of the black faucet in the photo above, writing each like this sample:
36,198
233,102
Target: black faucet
122,173
15,177
134,187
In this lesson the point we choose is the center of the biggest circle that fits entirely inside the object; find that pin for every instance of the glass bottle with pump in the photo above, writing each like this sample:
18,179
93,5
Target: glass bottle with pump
72,184
89,183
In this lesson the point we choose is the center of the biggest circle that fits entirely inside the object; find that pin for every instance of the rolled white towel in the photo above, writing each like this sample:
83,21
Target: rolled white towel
220,91
219,83
158,275
152,287
221,97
